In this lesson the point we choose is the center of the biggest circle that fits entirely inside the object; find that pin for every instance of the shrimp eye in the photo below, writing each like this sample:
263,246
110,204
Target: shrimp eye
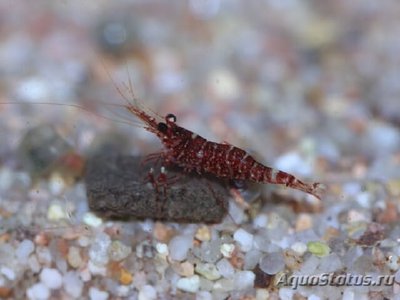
162,127
170,118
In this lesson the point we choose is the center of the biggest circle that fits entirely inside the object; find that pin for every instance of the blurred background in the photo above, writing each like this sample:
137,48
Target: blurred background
310,87
315,80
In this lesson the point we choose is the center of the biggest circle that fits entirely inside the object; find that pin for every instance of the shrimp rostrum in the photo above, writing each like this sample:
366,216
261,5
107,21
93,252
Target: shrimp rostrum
192,152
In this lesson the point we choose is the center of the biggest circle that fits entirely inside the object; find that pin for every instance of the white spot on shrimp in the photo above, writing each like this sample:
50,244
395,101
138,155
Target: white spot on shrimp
200,154
274,173
194,135
228,153
252,176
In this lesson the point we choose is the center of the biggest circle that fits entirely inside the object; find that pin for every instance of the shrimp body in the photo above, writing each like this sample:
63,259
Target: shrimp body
192,152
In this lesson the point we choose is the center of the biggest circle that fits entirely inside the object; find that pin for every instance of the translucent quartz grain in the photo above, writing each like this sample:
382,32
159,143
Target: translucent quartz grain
244,238
179,246
272,263
24,249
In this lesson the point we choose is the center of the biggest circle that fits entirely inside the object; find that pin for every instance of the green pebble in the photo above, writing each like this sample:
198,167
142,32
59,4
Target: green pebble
319,249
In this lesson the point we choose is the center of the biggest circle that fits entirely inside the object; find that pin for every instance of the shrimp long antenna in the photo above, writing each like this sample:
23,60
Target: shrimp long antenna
131,101
80,107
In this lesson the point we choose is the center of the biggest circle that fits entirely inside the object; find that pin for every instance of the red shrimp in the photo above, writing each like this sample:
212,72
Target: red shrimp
192,152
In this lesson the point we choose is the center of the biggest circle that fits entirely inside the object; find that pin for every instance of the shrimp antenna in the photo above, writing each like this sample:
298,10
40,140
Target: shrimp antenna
131,101
80,107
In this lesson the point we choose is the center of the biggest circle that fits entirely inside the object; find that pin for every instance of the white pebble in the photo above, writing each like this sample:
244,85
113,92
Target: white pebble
227,249
330,263
84,241
205,284
384,135
224,285
225,268
204,295
207,270
43,255
56,184
96,294
6,178
243,280
24,249
251,259
140,278
351,188
286,293
236,212
147,292
272,263
6,251
38,291
51,278
147,226
98,251
179,247
314,297
244,239
61,265
292,162
189,284
348,294
56,212
309,266
222,82
73,285
118,251
299,247
262,294
260,221
92,220
34,264
123,291
364,199
85,274
210,251
162,248
263,244
74,257
8,273
355,216
96,269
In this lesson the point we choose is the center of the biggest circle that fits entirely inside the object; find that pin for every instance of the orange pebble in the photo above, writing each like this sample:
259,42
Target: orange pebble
125,277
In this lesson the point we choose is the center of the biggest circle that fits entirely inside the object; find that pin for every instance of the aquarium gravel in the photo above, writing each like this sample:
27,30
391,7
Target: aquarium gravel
311,88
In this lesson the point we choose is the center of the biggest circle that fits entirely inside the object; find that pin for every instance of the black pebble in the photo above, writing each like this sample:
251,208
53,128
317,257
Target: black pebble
117,187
